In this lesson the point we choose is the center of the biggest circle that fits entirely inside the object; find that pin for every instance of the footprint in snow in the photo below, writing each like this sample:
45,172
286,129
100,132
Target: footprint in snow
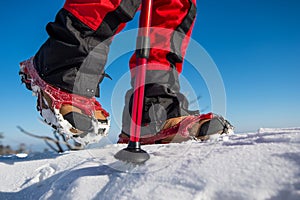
42,173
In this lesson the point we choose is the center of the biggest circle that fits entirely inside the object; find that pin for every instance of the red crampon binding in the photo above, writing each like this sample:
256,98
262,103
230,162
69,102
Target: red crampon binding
181,129
59,98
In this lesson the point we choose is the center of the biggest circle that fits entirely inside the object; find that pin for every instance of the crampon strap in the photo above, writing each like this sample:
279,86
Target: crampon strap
181,129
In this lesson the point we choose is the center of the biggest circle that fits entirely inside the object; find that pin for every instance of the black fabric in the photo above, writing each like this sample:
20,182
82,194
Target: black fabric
64,60
162,101
169,79
179,34
79,121
124,13
74,56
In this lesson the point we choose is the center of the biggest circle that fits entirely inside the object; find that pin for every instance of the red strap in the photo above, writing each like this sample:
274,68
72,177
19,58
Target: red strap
180,128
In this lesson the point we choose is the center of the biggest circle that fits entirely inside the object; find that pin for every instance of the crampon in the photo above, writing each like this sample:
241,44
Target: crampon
51,114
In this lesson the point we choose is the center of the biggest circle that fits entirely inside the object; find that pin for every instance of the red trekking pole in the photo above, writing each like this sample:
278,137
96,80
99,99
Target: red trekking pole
133,153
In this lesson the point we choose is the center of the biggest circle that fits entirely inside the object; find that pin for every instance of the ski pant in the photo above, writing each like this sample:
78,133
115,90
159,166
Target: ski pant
74,55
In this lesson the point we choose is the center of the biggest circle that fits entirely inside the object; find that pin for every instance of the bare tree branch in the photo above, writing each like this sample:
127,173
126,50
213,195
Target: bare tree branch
51,147
56,141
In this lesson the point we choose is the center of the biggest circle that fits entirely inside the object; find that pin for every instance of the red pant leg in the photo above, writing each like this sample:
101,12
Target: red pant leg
172,22
90,12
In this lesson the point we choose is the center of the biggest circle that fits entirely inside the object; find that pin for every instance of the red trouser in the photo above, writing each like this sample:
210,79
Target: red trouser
84,26
176,17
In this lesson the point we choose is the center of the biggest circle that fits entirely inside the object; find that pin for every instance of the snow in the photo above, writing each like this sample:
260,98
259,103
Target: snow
261,165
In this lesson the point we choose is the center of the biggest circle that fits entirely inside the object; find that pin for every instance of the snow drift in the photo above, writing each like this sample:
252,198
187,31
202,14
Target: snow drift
262,165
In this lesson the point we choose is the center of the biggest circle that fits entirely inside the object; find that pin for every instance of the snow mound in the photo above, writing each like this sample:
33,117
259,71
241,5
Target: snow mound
262,165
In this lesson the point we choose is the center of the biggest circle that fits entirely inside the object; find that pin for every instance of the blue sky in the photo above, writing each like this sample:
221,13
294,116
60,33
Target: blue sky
254,43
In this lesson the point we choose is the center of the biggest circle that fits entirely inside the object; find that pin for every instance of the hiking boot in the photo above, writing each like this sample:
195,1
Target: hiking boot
75,116
179,129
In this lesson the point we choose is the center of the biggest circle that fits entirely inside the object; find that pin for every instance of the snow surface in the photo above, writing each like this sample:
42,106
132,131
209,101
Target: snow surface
262,165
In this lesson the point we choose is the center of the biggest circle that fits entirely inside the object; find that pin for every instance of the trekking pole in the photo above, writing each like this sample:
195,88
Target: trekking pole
133,153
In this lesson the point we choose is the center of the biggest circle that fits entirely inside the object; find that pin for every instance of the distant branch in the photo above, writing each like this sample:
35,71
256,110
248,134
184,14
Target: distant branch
49,140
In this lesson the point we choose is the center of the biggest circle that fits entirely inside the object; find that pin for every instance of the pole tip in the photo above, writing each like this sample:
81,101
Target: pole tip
133,154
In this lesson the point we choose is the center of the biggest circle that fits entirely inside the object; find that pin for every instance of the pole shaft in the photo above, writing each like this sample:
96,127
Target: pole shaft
142,54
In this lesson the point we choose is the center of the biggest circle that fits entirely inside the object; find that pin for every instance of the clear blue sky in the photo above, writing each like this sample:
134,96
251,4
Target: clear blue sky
254,43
